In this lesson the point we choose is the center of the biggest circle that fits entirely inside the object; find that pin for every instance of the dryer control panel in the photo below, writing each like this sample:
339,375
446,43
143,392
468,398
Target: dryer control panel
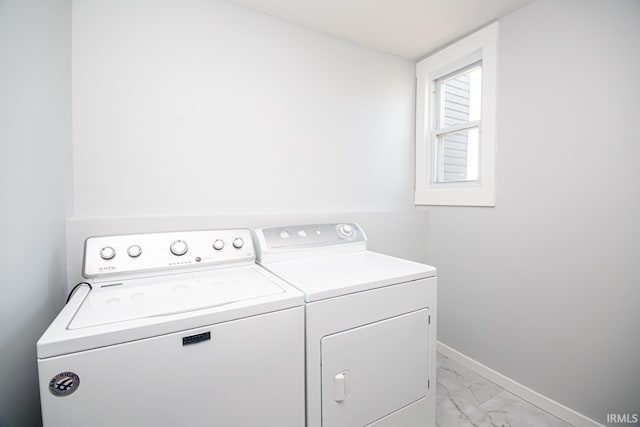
297,240
139,253
313,235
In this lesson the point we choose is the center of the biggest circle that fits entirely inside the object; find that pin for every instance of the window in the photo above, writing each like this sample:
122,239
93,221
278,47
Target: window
455,123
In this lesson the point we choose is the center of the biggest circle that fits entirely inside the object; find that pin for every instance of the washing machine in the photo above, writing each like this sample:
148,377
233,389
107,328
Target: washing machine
370,322
175,329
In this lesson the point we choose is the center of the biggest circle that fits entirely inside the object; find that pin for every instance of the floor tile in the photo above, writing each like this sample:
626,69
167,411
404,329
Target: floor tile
466,399
464,383
454,411
509,410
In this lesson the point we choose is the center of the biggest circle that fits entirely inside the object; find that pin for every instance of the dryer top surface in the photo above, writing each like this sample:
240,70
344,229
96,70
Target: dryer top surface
330,276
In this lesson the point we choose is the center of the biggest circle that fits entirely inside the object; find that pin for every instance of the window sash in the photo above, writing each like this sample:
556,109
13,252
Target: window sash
456,128
440,157
438,84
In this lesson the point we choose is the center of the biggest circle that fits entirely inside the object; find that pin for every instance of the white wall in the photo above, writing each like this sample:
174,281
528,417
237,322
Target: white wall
201,106
544,287
35,189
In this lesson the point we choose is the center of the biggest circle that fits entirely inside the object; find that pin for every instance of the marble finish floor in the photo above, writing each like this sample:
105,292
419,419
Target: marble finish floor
466,399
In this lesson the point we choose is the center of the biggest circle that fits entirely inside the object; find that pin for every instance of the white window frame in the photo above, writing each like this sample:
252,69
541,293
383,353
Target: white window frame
479,46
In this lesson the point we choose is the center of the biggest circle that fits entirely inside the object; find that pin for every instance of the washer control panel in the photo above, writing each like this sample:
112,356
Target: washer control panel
137,253
310,236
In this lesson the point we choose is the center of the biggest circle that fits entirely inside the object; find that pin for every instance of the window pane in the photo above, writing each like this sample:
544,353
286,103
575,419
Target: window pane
457,156
460,98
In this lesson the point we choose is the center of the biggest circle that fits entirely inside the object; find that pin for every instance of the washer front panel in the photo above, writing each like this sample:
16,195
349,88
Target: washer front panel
246,372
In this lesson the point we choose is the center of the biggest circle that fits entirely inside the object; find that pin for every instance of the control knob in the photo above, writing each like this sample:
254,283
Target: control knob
134,251
344,230
107,253
179,247
218,244
238,243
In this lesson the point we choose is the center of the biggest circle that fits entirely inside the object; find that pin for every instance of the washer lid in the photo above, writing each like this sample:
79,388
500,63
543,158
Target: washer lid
120,301
330,276
93,320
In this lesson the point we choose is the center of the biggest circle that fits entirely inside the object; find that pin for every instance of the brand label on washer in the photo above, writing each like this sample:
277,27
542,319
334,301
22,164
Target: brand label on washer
64,384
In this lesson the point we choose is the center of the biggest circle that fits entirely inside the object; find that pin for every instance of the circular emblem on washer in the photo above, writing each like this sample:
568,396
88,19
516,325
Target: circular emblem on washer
64,384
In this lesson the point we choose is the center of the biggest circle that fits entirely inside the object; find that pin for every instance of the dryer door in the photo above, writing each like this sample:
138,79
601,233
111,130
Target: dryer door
374,370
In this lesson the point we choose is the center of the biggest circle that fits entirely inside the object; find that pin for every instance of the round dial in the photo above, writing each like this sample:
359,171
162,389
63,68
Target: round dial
179,247
302,233
344,230
107,253
134,251
218,244
283,234
238,243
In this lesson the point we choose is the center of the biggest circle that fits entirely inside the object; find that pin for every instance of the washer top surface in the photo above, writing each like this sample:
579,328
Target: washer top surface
148,307
122,301
330,276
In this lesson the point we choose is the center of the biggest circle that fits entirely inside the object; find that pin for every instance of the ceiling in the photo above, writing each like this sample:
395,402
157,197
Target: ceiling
409,28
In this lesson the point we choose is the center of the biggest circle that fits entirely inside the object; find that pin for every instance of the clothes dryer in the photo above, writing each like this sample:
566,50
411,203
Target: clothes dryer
370,326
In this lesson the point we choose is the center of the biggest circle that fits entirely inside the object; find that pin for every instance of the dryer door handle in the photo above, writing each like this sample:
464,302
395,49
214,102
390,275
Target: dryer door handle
341,388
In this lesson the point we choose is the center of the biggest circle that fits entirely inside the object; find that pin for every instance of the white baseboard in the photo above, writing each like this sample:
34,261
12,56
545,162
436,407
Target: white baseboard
551,406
